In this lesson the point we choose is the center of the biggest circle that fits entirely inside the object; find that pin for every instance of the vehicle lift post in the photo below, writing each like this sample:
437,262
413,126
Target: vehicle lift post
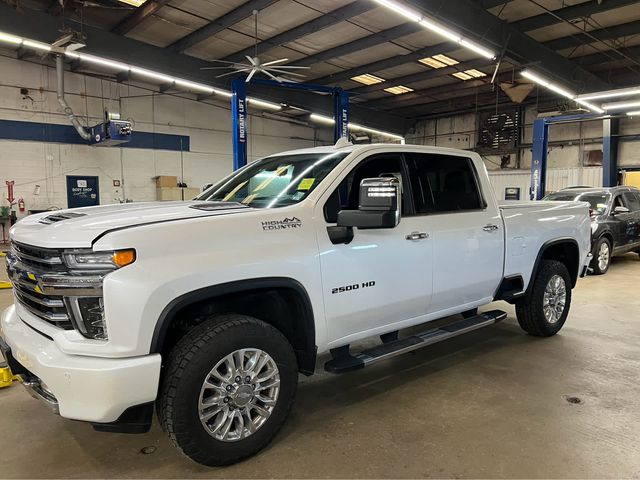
540,150
239,112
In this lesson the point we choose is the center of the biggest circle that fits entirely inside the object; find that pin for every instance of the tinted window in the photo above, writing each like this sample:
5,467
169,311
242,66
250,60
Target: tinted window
346,196
632,201
443,183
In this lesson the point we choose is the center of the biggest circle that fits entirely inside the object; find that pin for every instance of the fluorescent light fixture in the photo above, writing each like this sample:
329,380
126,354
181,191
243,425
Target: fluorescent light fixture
8,38
438,61
398,89
634,114
621,92
435,27
36,45
264,104
462,76
322,119
367,79
354,126
475,73
545,83
620,105
400,9
590,106
445,59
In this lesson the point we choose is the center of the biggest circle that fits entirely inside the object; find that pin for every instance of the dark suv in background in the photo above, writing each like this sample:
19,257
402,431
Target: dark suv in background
615,227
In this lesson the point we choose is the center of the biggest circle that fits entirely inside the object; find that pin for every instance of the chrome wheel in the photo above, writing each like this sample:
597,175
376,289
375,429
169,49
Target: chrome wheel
603,256
554,299
239,394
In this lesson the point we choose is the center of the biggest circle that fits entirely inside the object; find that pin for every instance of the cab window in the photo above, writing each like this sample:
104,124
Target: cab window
346,196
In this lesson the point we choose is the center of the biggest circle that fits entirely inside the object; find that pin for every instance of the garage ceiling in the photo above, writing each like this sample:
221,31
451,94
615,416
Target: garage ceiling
585,45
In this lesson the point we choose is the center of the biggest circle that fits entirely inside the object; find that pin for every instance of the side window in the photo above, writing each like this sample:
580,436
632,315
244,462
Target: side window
631,199
443,183
345,197
619,202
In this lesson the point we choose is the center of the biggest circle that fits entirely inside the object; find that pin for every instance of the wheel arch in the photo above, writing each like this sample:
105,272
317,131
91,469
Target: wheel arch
565,250
283,301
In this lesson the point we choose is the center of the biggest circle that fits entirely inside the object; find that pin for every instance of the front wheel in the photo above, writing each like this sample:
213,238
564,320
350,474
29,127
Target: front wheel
228,388
602,256
543,311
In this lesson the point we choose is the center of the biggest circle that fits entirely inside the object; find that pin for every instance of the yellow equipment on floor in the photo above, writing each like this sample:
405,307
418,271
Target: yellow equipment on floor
6,377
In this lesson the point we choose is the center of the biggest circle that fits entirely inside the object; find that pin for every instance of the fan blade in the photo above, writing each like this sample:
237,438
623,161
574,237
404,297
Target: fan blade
292,67
250,60
231,73
273,62
253,72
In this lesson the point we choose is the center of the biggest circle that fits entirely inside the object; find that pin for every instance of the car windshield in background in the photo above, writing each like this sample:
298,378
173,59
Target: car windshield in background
275,181
598,201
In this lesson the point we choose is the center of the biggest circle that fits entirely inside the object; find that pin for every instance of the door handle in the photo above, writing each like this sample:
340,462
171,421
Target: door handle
490,228
417,236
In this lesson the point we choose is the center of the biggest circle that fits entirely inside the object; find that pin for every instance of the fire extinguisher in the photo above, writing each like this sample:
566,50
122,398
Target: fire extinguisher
21,205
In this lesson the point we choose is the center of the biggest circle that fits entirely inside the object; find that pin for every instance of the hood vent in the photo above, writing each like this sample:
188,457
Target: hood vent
58,217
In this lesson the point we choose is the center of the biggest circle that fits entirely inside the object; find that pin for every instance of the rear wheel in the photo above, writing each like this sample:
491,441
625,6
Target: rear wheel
543,311
602,256
228,388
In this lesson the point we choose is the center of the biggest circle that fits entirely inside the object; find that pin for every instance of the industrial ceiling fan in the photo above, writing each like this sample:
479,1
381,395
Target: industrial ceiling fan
272,69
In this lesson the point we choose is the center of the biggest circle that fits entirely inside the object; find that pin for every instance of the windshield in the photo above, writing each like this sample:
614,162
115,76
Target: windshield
597,201
275,181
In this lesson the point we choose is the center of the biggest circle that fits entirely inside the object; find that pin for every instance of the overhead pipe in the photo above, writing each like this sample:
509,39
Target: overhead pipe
63,103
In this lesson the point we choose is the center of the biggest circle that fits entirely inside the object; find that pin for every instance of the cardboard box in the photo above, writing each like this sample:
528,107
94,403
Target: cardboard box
166,181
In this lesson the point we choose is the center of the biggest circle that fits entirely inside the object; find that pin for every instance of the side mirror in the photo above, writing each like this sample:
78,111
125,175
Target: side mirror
618,210
378,205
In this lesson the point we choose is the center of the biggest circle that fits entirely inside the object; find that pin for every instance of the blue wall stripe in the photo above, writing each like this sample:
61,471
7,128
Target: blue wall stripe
48,132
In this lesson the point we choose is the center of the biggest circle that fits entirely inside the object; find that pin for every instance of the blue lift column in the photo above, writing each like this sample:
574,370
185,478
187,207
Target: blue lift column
539,159
239,122
340,114
610,131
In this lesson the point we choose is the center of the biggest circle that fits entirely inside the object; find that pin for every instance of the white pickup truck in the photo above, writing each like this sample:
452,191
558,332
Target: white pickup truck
207,310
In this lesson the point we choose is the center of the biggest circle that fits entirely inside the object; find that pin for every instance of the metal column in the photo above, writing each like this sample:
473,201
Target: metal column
610,131
340,114
239,122
539,159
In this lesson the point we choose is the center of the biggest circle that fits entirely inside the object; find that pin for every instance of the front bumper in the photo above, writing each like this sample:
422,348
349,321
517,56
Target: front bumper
91,389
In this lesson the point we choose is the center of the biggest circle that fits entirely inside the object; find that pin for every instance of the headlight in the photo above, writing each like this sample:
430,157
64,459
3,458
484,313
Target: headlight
90,260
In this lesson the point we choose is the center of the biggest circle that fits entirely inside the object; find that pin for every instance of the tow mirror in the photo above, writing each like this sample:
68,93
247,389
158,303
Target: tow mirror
379,205
620,210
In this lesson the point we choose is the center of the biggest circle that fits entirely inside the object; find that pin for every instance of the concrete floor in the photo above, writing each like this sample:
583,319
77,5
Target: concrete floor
491,404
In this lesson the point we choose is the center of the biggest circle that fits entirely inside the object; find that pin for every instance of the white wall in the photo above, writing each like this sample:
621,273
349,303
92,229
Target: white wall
47,164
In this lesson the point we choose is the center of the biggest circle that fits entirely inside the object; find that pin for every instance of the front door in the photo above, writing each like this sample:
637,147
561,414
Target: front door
381,280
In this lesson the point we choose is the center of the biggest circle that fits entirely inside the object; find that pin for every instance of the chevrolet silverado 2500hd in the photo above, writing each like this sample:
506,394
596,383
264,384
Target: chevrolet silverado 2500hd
207,310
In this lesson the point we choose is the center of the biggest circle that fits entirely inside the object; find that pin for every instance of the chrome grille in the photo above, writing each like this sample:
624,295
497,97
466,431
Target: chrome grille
25,265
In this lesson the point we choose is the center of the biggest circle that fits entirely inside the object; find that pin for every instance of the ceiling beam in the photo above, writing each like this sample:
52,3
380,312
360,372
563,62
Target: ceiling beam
608,33
43,27
360,44
469,18
323,21
225,21
141,13
573,12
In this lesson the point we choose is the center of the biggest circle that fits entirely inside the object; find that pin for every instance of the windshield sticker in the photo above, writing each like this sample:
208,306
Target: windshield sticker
285,224
306,183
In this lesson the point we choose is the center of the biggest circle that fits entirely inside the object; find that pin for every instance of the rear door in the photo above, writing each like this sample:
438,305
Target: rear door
466,231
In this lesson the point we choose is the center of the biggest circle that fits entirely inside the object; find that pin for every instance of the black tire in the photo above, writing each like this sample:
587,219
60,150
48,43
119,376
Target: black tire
595,263
530,311
190,362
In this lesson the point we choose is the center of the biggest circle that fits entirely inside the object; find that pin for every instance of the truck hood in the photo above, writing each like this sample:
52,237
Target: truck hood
79,227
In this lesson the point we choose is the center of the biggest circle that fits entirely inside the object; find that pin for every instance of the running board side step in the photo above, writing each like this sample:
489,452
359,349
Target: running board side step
343,361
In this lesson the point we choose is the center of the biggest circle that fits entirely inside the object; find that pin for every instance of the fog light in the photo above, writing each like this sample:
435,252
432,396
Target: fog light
88,313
